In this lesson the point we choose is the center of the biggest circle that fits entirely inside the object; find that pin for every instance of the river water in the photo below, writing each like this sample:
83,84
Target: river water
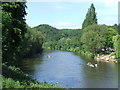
70,70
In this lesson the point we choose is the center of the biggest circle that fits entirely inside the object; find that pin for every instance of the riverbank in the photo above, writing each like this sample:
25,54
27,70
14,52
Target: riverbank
75,50
107,58
103,57
13,77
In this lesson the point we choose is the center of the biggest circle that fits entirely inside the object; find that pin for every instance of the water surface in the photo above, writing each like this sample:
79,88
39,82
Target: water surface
70,70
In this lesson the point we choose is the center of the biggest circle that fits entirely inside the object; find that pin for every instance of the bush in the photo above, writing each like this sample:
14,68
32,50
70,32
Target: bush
10,83
116,40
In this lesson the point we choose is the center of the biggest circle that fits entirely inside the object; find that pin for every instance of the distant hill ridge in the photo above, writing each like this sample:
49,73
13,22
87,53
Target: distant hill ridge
53,34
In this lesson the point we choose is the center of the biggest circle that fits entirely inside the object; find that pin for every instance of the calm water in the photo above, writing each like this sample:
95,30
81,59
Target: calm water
70,70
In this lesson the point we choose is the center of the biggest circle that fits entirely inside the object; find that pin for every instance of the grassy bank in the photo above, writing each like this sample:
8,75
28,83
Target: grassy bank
13,77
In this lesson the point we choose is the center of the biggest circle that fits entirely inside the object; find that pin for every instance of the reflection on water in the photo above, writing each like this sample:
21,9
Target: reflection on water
70,70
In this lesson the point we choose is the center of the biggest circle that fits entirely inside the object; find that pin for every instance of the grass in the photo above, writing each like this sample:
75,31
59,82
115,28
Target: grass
13,77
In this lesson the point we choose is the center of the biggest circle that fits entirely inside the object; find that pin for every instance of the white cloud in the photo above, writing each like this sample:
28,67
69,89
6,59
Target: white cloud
58,7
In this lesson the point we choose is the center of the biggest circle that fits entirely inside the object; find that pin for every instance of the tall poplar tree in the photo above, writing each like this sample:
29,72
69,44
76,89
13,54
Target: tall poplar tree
90,17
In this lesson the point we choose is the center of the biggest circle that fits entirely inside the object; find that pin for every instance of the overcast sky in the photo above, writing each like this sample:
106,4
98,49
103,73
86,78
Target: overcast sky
70,13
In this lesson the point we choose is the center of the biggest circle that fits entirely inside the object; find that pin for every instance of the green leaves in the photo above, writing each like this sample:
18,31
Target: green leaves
13,28
10,83
90,17
94,37
116,40
32,42
111,32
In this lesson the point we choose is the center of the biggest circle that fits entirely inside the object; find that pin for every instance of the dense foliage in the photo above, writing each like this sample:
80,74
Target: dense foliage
13,28
18,39
116,40
48,31
96,37
63,39
90,17
32,43
111,32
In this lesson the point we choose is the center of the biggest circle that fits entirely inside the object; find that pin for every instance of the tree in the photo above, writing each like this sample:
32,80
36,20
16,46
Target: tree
32,42
94,37
111,32
13,28
90,17
116,40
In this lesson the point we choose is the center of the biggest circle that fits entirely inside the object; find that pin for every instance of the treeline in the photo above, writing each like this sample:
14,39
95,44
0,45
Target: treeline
63,39
90,40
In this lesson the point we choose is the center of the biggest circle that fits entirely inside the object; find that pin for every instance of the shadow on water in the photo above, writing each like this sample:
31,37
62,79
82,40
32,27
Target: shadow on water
28,64
70,70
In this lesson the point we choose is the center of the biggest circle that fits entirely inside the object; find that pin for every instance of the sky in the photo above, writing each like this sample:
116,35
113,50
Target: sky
70,14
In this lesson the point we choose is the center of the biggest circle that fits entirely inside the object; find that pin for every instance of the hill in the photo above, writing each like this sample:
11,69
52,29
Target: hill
49,32
54,34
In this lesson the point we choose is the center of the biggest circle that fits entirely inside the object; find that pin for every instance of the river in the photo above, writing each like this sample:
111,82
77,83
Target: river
70,70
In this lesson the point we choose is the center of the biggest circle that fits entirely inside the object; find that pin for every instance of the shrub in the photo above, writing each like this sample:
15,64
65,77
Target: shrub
116,40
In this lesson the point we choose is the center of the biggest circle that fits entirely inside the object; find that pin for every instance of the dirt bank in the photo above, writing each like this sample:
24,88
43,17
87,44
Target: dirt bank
106,58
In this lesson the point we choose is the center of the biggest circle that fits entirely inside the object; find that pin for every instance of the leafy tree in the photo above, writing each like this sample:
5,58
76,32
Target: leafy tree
90,17
111,32
13,28
94,37
115,26
32,42
116,40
